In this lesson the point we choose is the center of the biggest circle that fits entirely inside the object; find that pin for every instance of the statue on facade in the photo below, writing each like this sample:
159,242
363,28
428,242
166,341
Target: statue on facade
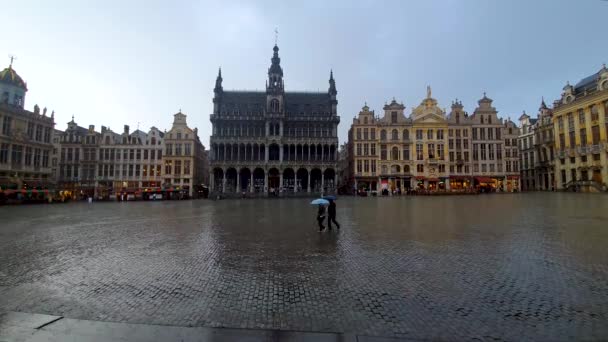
44,111
36,109
428,92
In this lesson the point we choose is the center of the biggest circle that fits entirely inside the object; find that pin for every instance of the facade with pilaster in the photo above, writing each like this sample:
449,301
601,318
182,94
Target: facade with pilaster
527,152
184,159
431,151
25,141
275,141
544,145
580,124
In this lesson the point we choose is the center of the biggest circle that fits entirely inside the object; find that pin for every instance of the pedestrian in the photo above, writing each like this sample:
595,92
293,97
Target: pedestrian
321,217
331,217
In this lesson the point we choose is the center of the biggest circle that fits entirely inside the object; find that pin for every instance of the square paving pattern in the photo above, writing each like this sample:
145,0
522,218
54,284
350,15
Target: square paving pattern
489,267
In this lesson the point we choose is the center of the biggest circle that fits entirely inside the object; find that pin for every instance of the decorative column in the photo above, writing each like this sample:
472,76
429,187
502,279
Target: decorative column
251,188
322,182
280,181
266,153
212,181
238,182
224,183
266,181
308,184
335,182
281,153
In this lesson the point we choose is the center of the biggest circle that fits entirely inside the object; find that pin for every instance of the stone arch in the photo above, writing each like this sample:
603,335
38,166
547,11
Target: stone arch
289,180
315,179
395,134
383,134
273,179
245,179
329,178
395,169
262,153
406,134
218,178
332,152
258,180
406,168
302,180
231,175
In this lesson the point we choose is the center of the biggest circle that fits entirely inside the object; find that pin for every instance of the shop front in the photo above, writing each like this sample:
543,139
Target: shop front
433,184
420,183
512,183
459,183
366,186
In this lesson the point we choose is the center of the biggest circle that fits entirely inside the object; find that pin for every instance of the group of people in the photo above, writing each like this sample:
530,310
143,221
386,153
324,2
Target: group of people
331,217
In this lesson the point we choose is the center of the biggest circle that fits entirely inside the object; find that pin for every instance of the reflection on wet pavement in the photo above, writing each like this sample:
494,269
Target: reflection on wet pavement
528,266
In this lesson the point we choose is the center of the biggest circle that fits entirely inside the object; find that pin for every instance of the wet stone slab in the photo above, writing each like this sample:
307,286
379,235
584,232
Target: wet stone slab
506,267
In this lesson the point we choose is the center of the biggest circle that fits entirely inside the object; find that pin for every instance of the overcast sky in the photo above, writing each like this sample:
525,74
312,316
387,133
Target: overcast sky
122,62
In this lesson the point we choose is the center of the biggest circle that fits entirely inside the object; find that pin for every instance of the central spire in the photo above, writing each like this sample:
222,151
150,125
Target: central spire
275,72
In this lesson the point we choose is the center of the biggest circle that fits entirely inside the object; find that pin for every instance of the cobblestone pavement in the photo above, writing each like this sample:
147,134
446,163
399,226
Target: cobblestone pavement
491,267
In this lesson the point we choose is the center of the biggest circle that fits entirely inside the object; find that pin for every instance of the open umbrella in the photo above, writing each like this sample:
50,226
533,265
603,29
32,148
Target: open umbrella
329,197
320,201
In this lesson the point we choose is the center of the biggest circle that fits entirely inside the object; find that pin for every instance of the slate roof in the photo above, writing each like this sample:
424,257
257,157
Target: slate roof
588,83
255,101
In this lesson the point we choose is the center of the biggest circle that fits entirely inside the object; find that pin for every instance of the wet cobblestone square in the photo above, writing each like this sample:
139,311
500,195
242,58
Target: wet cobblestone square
495,267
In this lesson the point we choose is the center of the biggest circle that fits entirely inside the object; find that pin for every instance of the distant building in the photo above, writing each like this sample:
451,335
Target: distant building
184,159
527,152
580,123
25,141
544,138
274,141
511,156
345,178
429,151
129,164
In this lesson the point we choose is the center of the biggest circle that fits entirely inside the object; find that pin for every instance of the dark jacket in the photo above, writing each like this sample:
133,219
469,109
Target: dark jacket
332,209
321,212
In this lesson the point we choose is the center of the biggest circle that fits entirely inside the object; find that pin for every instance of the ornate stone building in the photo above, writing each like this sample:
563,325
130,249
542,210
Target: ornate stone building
544,146
25,141
184,159
527,153
431,151
511,156
580,124
274,141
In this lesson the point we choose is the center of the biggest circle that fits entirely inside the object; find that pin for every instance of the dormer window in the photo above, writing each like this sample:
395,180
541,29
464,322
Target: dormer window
394,117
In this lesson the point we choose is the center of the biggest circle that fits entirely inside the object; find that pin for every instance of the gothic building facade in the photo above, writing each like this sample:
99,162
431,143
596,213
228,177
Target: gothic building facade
274,141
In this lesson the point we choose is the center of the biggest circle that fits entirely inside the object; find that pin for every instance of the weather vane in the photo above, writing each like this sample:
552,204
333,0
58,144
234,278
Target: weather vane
12,57
276,35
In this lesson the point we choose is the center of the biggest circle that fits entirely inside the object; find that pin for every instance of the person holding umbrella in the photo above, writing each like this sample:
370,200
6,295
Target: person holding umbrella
331,211
321,212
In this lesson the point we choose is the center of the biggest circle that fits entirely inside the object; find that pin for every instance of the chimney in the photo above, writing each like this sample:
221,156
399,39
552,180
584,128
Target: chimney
126,129
91,128
103,129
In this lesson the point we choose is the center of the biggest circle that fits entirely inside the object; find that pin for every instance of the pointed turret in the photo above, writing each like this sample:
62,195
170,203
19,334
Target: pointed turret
543,105
218,82
332,84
